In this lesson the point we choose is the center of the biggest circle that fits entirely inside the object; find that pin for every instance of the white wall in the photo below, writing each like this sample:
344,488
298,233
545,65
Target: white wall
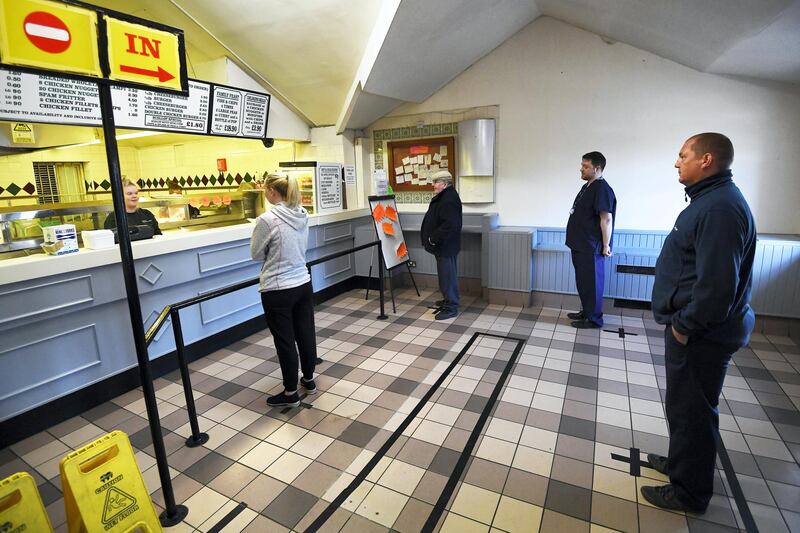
563,91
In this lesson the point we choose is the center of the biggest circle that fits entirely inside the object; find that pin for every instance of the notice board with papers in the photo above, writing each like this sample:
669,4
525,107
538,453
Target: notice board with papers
411,163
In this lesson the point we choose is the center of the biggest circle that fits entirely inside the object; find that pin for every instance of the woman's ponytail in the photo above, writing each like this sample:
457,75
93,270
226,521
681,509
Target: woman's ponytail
292,192
286,186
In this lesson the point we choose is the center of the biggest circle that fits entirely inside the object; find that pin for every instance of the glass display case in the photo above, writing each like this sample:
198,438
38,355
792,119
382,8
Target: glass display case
21,226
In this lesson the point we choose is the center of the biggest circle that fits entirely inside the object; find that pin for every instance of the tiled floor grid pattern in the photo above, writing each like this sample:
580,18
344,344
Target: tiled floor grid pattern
542,462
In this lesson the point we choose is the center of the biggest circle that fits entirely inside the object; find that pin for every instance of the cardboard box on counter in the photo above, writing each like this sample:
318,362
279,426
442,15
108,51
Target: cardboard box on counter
60,240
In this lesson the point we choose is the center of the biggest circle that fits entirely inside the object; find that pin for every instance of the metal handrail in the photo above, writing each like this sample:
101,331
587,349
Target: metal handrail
173,311
162,317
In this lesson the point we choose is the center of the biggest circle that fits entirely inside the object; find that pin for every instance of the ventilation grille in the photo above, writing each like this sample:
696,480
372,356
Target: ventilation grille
46,185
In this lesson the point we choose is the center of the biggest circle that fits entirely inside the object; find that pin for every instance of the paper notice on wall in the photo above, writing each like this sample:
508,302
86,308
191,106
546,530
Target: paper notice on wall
398,171
428,159
405,160
443,163
329,187
408,169
350,175
437,157
443,150
415,180
400,178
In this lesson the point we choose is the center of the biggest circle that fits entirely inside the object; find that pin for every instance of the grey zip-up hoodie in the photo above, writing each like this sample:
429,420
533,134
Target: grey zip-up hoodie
280,239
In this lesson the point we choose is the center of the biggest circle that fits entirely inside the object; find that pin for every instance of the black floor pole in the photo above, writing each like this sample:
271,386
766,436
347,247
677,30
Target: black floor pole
381,316
197,438
173,513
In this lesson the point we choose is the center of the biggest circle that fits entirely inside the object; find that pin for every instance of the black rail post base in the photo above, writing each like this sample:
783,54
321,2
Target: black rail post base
176,518
195,441
382,315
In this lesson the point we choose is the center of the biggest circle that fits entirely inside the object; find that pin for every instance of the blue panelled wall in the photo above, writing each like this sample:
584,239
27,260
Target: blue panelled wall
776,272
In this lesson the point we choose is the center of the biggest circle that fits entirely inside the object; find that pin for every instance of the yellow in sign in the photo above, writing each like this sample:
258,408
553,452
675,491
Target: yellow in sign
22,133
49,35
144,55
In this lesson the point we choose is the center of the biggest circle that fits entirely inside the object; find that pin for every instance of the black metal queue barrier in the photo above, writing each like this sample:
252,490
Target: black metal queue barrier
173,312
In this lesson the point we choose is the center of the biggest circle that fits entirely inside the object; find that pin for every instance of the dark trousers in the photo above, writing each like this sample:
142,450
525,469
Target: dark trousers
695,374
590,277
447,270
290,317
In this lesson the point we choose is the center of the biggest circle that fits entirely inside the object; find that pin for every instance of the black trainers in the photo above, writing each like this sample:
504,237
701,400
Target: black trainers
658,462
282,399
309,386
664,496
445,313
576,316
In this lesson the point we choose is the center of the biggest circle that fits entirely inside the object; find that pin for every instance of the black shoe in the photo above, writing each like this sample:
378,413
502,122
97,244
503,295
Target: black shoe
439,303
584,324
444,313
309,385
664,496
658,462
576,316
282,399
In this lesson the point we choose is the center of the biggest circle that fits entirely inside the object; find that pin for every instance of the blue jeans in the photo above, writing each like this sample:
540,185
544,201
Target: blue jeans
447,269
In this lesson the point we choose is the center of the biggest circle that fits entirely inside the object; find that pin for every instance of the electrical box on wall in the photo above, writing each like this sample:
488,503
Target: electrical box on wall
476,160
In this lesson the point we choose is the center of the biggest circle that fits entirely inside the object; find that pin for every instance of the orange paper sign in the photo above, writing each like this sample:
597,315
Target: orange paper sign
391,213
378,213
401,250
388,229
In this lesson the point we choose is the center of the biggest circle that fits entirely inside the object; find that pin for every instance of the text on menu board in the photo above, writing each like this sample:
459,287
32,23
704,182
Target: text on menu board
239,113
329,187
38,98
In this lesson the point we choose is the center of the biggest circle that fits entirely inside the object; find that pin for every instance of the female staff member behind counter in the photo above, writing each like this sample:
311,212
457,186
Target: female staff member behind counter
279,240
136,217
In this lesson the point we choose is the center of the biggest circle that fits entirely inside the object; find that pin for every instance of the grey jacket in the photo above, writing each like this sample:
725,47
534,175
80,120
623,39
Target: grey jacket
280,239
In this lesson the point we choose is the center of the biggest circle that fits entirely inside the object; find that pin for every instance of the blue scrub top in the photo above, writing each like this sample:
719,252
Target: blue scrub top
583,227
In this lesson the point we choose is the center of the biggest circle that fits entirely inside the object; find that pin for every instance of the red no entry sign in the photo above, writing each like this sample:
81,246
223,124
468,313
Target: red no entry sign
47,32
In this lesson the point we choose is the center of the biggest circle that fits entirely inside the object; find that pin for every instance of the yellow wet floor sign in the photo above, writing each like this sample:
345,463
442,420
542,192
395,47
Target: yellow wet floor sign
104,490
21,507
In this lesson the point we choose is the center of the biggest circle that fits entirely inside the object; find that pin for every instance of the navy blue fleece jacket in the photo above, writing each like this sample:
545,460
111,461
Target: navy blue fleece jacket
704,273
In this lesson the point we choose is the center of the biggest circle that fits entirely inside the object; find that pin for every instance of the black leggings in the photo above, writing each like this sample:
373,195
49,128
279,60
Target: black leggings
290,317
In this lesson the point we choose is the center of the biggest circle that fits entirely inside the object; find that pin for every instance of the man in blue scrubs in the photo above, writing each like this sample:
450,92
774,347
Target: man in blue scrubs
589,236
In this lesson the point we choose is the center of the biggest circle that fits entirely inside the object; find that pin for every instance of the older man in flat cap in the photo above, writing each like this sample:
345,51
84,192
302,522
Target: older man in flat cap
441,236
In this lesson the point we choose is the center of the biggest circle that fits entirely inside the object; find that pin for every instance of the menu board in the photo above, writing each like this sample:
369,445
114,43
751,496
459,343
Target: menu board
29,97
33,98
239,113
329,187
142,109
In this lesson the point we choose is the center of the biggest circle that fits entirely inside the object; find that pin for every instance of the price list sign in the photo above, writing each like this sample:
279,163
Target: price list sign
239,113
26,97
142,109
35,98
329,187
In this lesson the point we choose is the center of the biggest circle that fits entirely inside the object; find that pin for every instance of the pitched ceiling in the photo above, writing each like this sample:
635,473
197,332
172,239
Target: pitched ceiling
358,59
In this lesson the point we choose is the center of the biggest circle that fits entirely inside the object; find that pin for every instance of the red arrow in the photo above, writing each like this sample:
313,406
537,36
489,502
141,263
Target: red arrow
161,74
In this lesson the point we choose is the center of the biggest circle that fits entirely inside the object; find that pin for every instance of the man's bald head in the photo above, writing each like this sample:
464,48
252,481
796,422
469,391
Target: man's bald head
716,144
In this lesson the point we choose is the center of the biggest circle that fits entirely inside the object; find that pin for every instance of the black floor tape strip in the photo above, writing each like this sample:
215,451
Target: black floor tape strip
340,499
736,489
730,475
458,470
228,518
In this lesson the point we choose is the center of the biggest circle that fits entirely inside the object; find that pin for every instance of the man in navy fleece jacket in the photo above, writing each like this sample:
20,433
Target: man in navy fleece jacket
702,295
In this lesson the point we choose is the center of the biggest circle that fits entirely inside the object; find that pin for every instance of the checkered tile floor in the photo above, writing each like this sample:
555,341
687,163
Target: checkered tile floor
542,462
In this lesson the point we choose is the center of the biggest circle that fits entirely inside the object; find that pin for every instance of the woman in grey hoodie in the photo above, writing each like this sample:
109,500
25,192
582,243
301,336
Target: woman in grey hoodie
279,240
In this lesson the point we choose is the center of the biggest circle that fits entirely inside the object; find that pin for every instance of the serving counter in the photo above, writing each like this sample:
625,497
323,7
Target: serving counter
64,320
